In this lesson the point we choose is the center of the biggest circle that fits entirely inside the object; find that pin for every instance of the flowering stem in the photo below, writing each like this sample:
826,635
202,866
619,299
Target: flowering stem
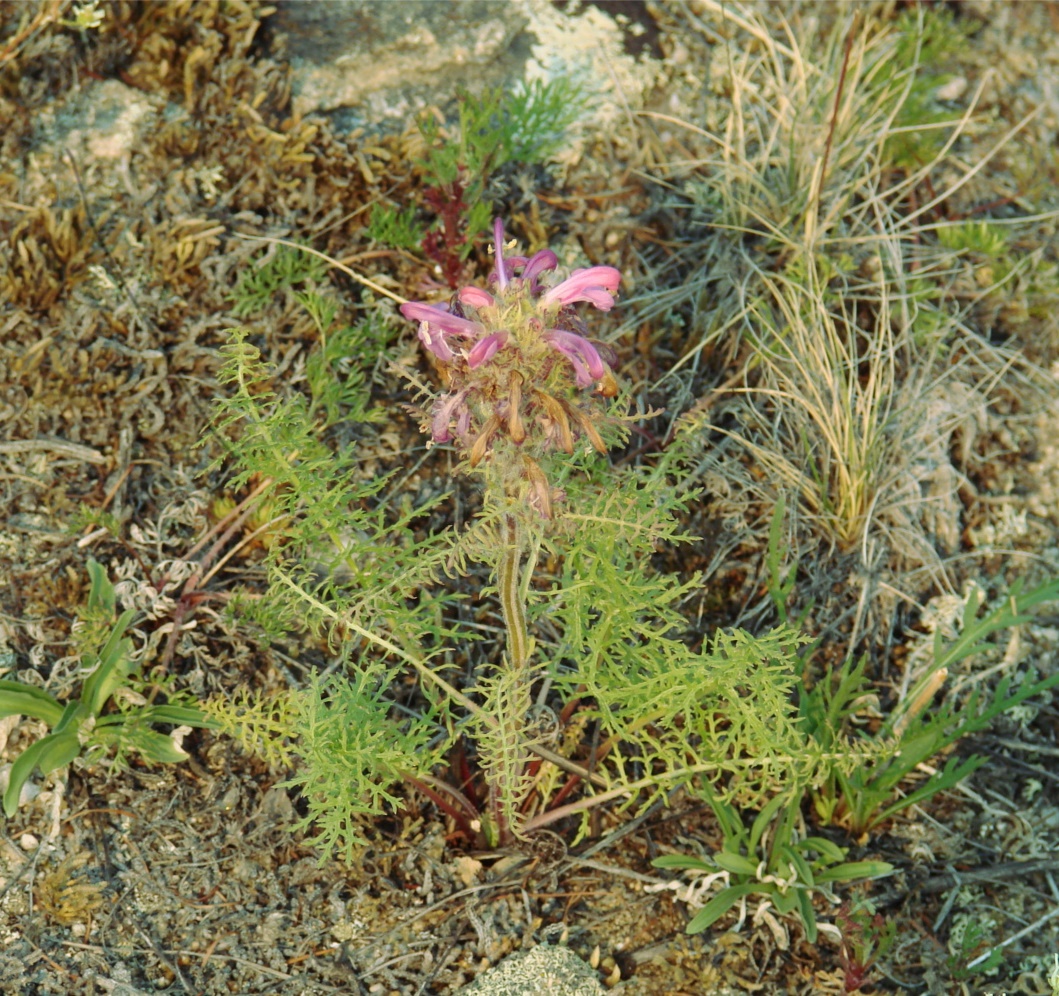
513,597
507,782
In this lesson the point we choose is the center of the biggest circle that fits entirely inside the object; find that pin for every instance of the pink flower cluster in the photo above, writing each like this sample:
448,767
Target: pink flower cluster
596,285
518,358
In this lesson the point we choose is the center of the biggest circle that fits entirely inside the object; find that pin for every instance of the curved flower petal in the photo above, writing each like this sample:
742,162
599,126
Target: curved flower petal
582,376
434,340
485,349
438,316
537,264
435,323
511,264
598,296
586,361
498,247
476,297
596,284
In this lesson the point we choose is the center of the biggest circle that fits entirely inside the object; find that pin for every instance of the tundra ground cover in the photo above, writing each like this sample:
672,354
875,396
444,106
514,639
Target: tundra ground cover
838,277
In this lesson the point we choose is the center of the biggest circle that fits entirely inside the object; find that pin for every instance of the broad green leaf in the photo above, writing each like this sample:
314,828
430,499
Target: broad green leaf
798,862
45,752
852,870
807,914
764,818
157,747
18,699
112,669
683,861
60,749
718,906
20,772
828,850
71,717
785,902
179,716
737,864
101,594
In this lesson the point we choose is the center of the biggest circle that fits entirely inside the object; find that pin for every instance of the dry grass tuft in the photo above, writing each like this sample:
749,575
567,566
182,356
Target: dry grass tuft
825,286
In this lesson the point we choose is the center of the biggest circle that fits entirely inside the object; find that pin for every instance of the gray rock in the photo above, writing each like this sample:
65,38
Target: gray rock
541,971
372,64
105,119
380,61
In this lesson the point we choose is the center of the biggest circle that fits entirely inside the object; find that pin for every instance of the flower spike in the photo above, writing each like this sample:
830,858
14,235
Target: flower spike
510,401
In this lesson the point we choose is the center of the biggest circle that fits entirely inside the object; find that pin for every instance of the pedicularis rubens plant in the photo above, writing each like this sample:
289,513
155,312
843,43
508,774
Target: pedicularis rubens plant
524,382
595,645
600,691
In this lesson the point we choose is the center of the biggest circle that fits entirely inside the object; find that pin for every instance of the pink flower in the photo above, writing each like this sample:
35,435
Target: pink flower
435,323
485,349
476,297
531,268
537,264
587,363
508,394
596,284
